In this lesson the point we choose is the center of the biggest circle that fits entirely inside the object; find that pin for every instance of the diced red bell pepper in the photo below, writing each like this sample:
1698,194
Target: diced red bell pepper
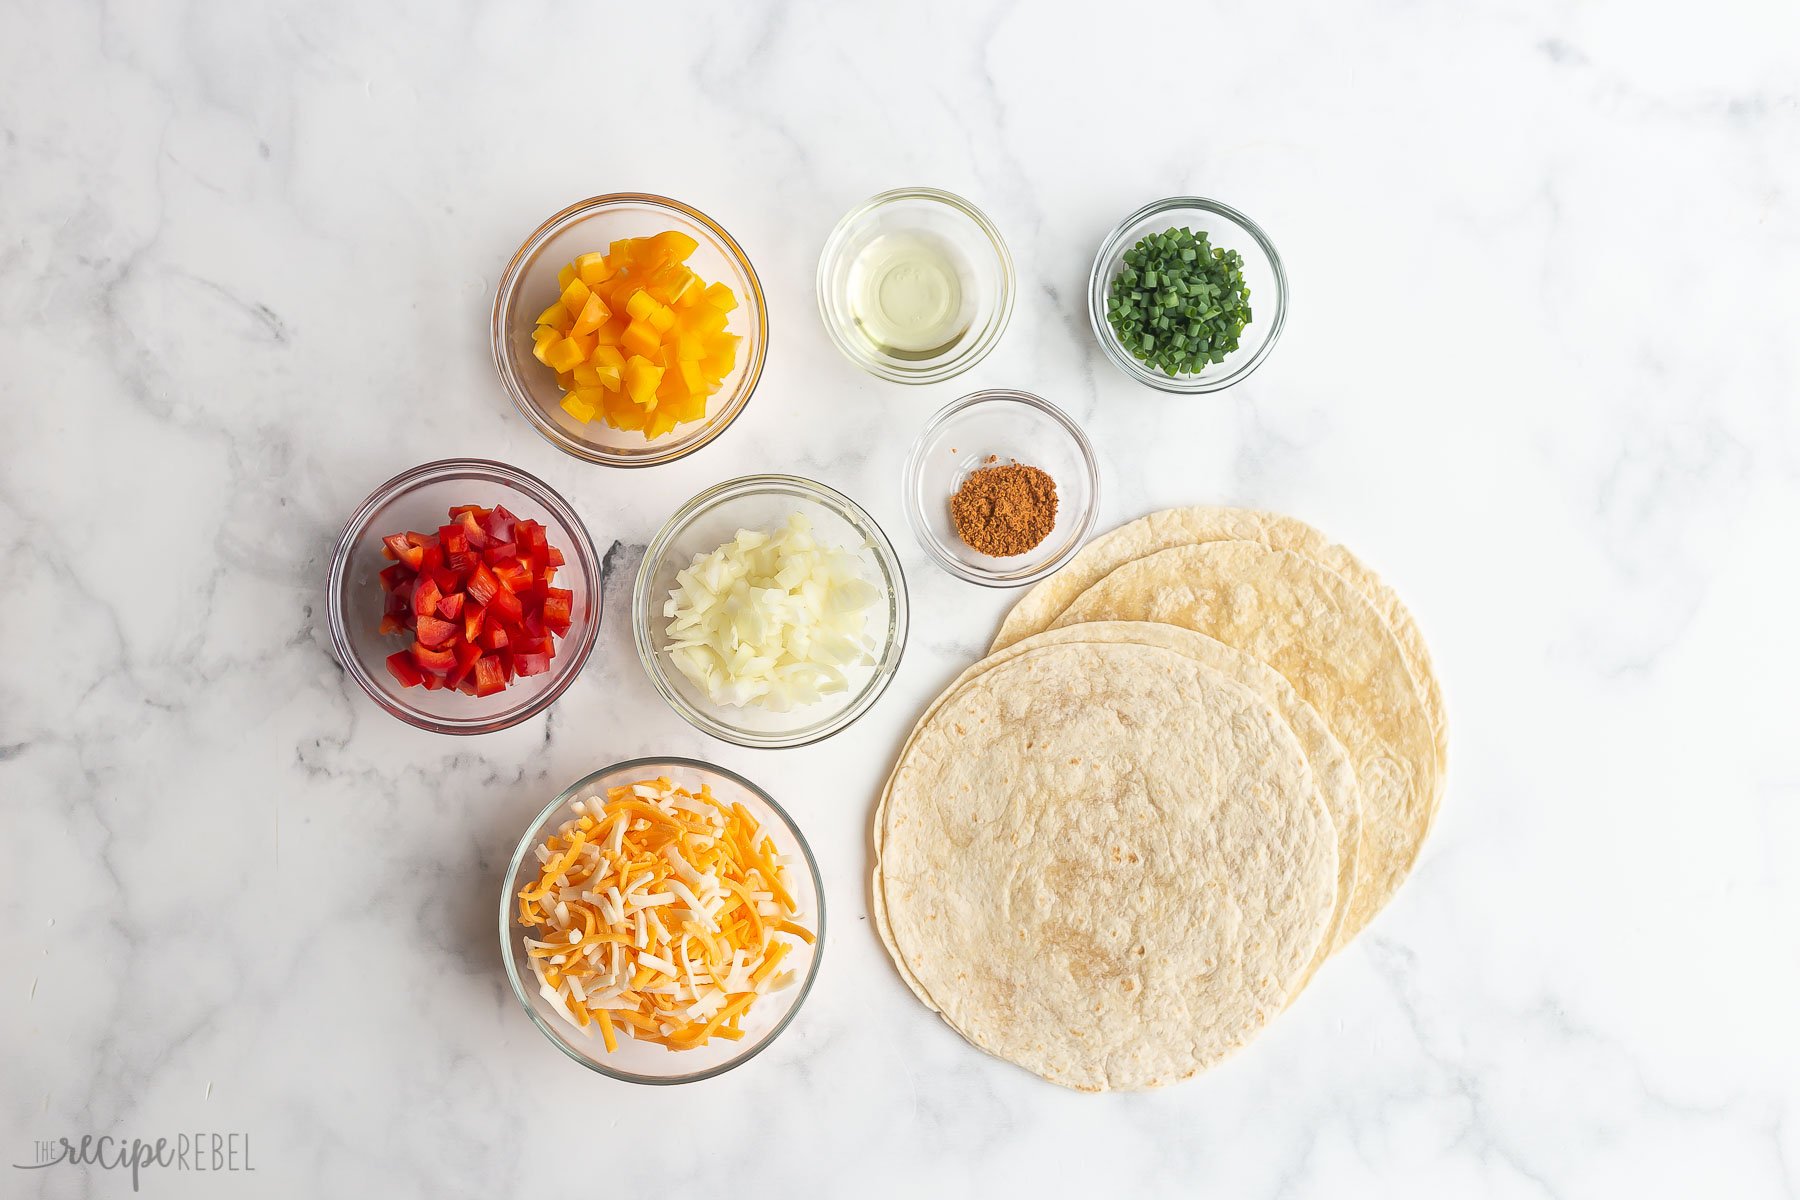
451,606
448,579
500,552
515,577
391,624
432,682
558,610
460,509
506,665
531,537
490,677
425,597
555,556
471,527
482,585
436,632
401,666
433,559
499,525
494,637
430,659
452,539
395,577
506,606
472,614
467,686
398,548
467,653
531,664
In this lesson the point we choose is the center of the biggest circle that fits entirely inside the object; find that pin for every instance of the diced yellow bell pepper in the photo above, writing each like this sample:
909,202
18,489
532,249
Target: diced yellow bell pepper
566,276
585,376
609,367
587,344
691,409
640,339
575,296
689,347
578,408
668,283
590,268
661,421
613,332
723,358
662,320
721,297
556,317
621,413
641,380
541,349
565,355
640,305
672,245
593,315
691,377
703,318
565,380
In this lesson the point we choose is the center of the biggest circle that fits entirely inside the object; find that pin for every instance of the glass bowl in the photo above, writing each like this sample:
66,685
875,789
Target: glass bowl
707,522
1227,228
528,286
984,272
646,1062
1009,426
419,500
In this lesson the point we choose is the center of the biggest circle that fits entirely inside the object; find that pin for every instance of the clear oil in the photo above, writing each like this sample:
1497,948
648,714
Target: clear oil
906,295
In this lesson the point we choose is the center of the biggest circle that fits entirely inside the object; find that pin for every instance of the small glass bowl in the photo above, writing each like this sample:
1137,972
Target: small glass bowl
646,1062
986,275
708,521
528,286
419,500
1008,426
1228,229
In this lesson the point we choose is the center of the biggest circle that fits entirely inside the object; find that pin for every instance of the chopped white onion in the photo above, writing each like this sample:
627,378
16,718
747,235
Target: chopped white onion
771,619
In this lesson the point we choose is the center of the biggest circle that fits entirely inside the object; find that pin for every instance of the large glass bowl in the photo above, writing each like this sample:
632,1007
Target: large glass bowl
1008,426
763,502
1228,229
420,499
985,275
529,286
646,1062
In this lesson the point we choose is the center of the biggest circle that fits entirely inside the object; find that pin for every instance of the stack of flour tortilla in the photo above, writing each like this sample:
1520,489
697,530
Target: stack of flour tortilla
1196,762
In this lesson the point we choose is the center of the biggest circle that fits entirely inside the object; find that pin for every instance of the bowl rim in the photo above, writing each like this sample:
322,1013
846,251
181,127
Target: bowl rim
898,598
913,473
888,369
508,932
1190,385
521,398
490,470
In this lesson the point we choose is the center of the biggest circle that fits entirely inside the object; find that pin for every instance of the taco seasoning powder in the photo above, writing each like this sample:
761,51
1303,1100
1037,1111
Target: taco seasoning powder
1003,510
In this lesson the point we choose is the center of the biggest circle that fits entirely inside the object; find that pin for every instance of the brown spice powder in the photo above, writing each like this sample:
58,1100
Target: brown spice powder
1004,510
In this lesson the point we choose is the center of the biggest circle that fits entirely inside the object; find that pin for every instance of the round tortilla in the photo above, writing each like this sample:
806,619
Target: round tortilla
1333,775
1107,864
1043,604
1329,641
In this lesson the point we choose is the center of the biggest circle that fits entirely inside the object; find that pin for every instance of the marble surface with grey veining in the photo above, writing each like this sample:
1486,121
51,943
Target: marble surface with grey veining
1541,371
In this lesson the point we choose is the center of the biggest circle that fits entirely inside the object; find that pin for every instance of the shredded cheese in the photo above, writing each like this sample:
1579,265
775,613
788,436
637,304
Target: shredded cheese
659,916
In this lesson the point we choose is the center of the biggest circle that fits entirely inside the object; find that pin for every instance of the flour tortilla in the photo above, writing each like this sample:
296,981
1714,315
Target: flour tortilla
1043,604
1107,863
1333,775
1329,641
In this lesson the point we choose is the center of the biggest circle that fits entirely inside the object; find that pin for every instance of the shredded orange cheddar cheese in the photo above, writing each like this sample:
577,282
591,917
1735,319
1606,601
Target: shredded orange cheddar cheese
659,915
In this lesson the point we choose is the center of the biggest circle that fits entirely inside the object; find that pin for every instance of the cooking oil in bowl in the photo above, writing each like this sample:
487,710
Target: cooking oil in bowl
908,296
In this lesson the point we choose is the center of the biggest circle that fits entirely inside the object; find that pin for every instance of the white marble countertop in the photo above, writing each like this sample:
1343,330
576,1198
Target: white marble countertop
1540,371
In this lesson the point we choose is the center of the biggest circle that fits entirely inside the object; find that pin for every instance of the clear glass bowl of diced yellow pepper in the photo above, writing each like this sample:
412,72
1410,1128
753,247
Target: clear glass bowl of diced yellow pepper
630,329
